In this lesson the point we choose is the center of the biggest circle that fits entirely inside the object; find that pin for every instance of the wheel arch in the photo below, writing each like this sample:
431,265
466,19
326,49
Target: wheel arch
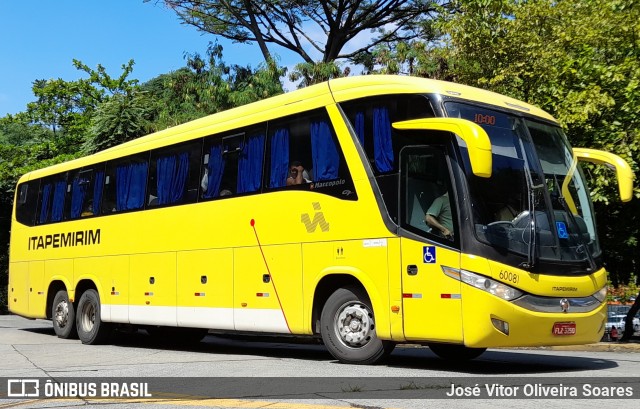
84,285
332,281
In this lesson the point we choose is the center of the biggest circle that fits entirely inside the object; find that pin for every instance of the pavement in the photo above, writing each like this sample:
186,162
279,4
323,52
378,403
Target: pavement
633,345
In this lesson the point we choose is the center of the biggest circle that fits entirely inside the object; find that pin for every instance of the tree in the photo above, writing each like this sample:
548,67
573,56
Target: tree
207,85
578,61
28,153
67,107
325,27
120,119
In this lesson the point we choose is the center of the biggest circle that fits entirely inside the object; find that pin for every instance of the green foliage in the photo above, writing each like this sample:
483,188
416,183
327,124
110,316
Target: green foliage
67,107
120,119
309,73
251,86
579,61
207,85
19,131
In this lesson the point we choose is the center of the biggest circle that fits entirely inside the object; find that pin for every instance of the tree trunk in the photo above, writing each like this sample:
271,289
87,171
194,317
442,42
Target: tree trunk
628,326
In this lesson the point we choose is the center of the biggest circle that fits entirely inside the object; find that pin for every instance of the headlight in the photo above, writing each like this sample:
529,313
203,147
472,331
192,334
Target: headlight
493,287
601,295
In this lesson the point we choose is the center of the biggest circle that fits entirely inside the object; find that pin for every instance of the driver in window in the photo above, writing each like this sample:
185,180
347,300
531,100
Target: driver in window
439,216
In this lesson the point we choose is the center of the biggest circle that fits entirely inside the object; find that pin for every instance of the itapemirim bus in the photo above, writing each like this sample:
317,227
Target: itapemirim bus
197,228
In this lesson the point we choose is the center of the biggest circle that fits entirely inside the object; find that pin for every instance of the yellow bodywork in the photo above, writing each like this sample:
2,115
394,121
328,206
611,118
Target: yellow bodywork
253,263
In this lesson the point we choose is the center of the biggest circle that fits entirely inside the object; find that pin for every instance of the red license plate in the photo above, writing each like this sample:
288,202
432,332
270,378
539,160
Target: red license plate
564,328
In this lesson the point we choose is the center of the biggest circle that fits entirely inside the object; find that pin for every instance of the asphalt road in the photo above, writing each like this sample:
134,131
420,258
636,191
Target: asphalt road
286,375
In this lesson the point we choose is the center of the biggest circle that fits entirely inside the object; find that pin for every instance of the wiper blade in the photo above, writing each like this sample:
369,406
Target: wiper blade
531,256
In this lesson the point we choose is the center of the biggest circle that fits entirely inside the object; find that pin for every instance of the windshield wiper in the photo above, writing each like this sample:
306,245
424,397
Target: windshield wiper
532,192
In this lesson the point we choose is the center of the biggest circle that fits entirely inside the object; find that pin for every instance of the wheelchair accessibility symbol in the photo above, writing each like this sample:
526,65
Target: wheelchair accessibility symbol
562,230
429,254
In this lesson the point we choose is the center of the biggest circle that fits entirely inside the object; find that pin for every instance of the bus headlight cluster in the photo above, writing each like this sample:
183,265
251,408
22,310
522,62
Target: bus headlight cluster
491,286
601,295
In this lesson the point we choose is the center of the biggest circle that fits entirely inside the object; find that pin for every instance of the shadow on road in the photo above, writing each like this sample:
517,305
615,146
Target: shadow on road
493,362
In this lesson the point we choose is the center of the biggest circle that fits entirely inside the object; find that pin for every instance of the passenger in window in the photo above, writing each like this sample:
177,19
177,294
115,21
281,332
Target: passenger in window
225,192
297,174
439,216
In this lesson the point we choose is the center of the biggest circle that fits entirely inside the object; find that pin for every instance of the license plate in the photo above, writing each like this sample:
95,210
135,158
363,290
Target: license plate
564,328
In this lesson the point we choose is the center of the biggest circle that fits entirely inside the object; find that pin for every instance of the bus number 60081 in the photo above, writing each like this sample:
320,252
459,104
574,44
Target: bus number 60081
509,276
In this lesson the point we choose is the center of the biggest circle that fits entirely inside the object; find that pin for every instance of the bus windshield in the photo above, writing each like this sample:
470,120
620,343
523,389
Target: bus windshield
536,203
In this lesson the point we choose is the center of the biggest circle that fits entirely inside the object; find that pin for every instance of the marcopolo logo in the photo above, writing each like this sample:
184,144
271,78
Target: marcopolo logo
318,220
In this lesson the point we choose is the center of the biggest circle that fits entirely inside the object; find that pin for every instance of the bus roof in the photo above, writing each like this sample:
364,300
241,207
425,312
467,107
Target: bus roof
315,96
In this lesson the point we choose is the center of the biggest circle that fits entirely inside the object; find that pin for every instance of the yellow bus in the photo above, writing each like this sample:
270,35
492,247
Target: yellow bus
364,211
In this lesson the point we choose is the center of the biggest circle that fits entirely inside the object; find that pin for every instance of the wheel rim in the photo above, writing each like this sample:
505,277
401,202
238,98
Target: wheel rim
62,314
354,325
88,316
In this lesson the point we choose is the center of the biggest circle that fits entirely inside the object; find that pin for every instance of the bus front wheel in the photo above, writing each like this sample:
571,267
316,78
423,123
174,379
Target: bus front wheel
453,352
91,329
348,328
63,316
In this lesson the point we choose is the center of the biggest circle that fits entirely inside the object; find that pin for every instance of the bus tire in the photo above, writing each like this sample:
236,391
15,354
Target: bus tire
454,352
91,329
348,328
63,316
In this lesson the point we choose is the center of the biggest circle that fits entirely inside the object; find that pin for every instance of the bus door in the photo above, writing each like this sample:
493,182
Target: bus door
432,305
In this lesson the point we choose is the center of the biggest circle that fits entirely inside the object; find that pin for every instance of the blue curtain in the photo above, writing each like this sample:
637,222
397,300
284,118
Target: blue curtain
131,181
323,151
359,125
78,193
44,206
215,168
98,184
279,158
172,172
382,146
250,164
57,207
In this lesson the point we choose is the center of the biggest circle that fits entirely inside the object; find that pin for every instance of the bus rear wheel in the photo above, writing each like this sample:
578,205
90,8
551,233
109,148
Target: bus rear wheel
63,316
453,352
91,329
348,328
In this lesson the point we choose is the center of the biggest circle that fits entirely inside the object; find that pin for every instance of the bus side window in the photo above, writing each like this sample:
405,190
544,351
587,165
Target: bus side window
27,202
125,184
80,194
305,143
52,197
232,163
250,157
279,156
371,119
174,174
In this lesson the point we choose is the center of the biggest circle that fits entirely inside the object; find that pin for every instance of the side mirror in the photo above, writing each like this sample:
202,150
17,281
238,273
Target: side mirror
622,168
477,140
